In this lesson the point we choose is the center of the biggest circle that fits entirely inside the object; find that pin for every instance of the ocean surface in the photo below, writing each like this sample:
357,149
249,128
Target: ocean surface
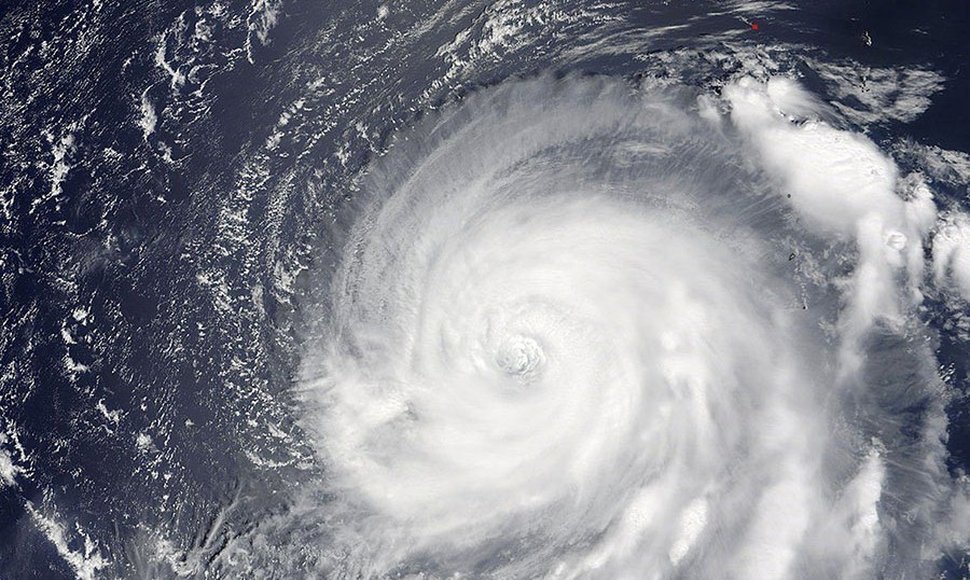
646,289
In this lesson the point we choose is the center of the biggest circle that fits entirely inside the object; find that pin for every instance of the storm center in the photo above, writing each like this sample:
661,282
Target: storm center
521,358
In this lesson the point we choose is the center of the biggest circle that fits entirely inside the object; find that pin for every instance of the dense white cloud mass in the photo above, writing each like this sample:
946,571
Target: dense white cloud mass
585,329
951,253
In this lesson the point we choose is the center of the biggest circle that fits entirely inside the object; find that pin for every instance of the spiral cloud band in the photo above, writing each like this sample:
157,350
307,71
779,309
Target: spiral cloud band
582,328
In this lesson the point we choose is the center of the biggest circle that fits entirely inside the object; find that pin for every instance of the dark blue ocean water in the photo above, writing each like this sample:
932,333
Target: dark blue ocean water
168,169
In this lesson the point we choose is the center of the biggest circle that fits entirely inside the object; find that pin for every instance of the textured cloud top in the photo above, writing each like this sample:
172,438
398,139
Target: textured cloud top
572,336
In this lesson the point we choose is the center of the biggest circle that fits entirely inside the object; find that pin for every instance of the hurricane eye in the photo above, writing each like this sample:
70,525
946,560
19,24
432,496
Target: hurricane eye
521,358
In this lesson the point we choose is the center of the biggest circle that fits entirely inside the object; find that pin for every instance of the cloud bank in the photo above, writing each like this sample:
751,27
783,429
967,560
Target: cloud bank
587,329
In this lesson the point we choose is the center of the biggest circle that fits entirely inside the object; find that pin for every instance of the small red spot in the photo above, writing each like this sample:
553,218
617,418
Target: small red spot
754,26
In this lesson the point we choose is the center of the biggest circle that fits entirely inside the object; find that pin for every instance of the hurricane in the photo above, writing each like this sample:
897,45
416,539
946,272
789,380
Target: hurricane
571,335
484,289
